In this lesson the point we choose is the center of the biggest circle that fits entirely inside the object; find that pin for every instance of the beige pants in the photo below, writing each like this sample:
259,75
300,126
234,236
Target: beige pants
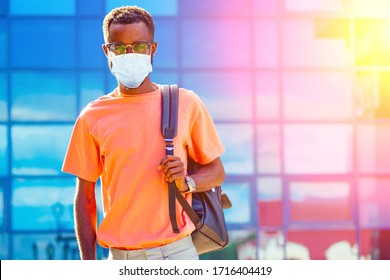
182,249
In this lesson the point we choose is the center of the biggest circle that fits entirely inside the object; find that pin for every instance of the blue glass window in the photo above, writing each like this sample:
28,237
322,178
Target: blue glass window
239,195
4,43
112,82
320,201
39,150
269,156
4,247
167,49
3,150
45,246
269,201
42,7
317,149
156,8
265,7
164,77
238,142
3,97
42,204
91,87
1,207
266,44
86,8
305,100
216,7
267,96
223,93
43,96
374,206
90,44
210,45
51,43
2,7
303,47
372,152
298,6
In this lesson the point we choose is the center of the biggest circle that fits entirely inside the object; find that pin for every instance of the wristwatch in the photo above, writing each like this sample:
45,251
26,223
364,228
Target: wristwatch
191,184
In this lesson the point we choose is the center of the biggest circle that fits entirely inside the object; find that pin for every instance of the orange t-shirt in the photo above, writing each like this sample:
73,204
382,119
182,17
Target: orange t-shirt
118,138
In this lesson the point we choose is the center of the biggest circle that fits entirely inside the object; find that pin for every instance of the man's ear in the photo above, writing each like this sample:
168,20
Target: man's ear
105,50
154,48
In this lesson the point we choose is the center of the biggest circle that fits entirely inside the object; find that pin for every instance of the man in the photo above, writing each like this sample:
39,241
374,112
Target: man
117,138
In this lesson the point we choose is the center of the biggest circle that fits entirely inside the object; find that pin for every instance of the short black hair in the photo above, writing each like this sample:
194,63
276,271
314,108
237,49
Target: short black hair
127,15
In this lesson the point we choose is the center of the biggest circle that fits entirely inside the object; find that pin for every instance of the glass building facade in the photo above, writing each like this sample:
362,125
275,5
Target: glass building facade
299,92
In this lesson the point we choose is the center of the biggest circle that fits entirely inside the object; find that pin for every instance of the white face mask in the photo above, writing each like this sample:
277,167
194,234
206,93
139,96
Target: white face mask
131,69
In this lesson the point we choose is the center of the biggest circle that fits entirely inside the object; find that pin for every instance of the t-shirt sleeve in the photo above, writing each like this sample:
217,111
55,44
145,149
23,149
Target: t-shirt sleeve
204,143
82,158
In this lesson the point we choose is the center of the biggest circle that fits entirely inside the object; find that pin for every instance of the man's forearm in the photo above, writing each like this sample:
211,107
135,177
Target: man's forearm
209,175
85,215
85,226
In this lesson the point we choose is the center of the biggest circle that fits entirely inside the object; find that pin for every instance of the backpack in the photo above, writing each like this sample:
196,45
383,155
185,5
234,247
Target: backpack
206,211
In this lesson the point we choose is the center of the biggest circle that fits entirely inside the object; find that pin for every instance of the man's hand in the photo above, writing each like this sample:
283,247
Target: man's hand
208,175
173,169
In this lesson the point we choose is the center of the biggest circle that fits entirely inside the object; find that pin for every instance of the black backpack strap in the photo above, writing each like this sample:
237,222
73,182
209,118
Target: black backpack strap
169,123
169,113
188,208
169,117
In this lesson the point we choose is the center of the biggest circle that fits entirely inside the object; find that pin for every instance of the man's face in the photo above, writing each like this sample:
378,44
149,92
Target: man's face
127,34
